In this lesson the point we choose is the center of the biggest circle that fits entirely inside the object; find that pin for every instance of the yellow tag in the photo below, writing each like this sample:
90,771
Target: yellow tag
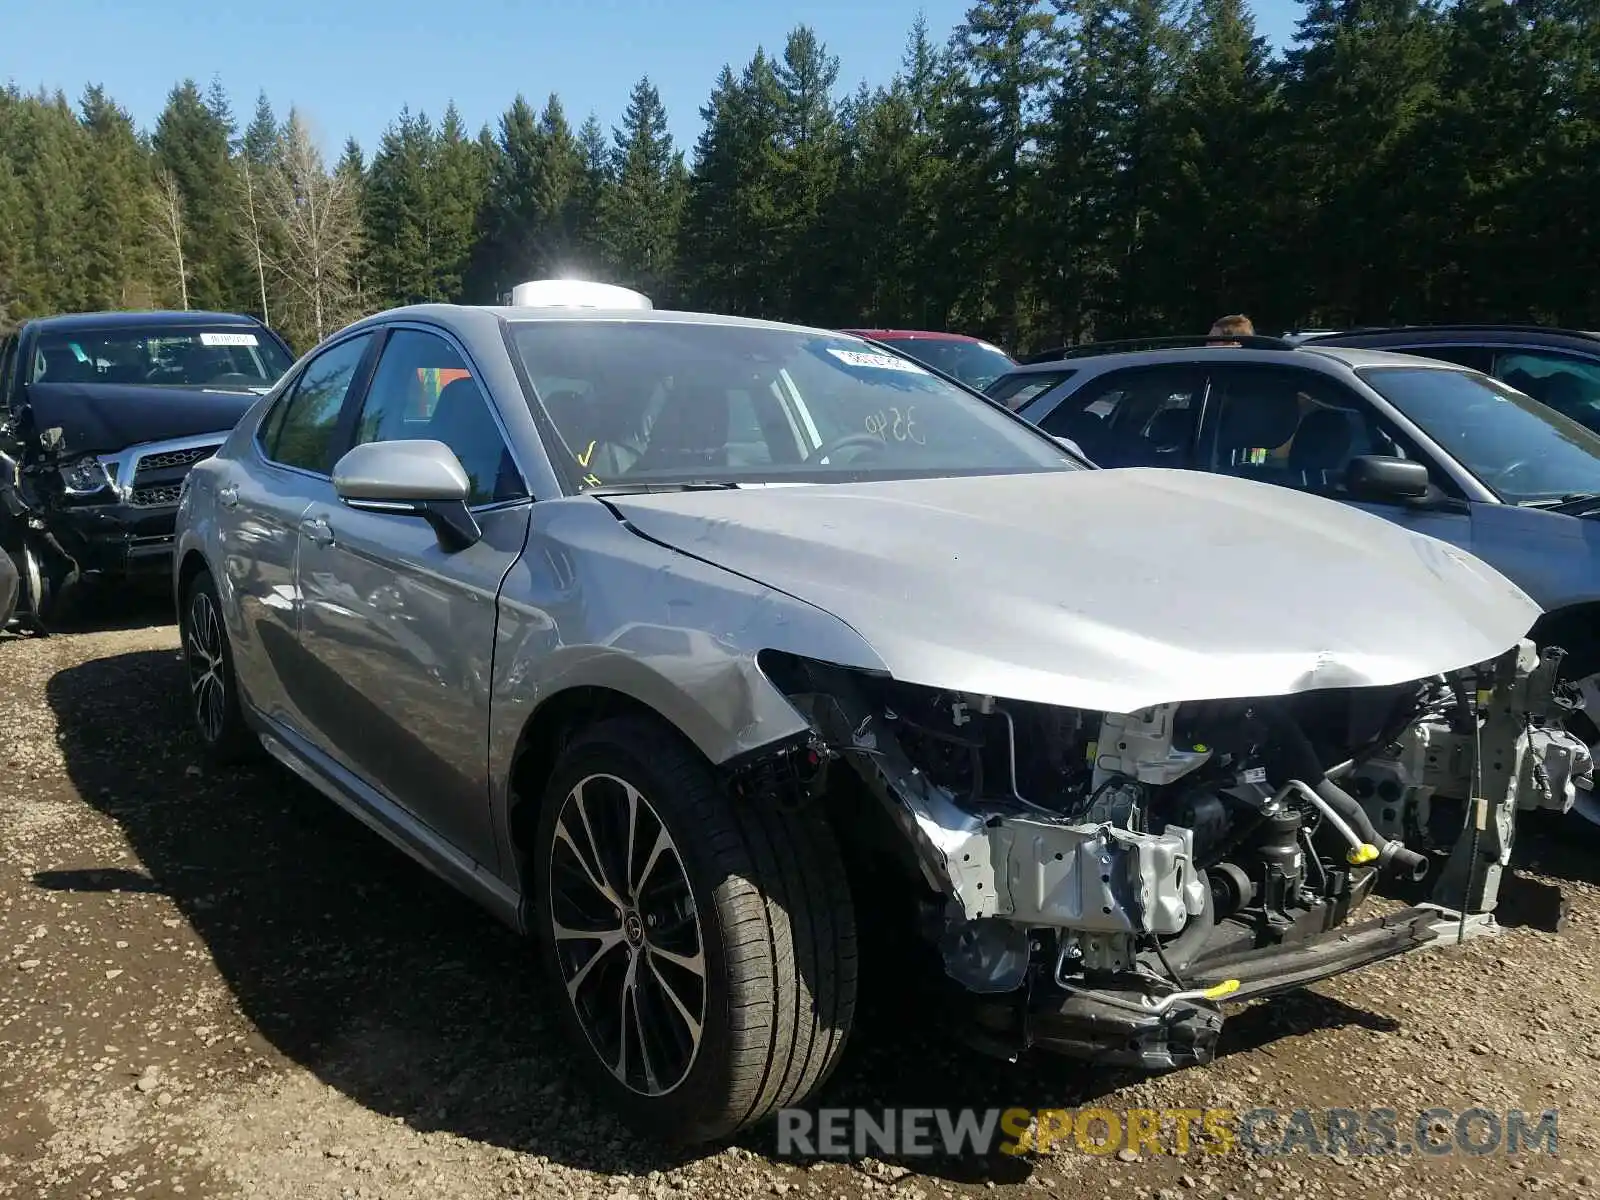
1226,988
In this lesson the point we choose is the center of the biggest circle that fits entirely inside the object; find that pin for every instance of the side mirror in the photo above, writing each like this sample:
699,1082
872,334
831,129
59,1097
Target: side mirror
417,478
1379,477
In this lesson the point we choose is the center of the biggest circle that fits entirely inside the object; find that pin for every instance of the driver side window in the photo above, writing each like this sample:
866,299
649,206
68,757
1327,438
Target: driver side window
1292,427
423,389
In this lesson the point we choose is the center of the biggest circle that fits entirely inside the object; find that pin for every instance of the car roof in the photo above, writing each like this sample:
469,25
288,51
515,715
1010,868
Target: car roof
478,314
1461,334
142,319
913,335
1327,359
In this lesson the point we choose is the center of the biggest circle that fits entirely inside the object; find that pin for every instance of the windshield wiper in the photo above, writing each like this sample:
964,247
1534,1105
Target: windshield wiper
1553,502
687,485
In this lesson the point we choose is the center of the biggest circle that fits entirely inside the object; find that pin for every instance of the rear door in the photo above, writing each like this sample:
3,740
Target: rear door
399,631
261,499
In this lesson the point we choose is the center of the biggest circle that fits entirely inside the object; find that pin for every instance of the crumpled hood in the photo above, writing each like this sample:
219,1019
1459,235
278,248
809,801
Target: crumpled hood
102,418
1108,590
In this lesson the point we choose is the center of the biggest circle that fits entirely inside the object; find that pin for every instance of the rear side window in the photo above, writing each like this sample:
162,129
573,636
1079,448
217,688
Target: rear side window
1137,417
1016,390
299,431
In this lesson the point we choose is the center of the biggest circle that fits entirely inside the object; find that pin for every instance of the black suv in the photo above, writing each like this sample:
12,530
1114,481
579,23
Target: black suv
101,417
1557,367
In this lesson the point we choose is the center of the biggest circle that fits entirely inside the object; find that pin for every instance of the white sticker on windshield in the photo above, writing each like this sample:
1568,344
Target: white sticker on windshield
883,362
228,339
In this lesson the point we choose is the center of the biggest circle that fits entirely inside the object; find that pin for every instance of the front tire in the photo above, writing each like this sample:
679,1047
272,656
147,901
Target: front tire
702,947
213,692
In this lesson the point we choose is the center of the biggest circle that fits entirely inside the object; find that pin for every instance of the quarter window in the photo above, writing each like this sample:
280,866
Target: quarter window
300,429
424,390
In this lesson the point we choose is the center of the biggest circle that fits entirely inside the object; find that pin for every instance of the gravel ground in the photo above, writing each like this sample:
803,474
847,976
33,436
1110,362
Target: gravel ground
219,985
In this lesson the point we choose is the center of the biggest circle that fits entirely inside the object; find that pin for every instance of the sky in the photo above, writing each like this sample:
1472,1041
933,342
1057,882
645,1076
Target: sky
350,65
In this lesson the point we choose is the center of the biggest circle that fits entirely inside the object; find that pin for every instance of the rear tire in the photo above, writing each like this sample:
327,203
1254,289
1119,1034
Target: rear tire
737,908
213,691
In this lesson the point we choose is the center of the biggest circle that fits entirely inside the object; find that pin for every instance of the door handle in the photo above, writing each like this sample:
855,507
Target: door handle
318,530
228,496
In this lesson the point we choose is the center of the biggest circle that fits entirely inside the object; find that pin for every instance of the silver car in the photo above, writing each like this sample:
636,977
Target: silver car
687,643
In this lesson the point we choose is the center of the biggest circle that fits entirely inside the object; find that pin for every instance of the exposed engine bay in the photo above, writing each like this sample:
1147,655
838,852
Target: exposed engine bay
1098,883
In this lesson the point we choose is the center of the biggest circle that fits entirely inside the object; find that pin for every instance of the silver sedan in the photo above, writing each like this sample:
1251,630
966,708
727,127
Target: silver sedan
683,642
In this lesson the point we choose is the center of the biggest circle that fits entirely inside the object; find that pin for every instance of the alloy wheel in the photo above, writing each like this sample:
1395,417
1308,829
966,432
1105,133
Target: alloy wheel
628,939
203,651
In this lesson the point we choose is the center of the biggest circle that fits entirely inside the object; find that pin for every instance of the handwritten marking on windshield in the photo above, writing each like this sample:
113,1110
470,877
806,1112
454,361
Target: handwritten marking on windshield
899,425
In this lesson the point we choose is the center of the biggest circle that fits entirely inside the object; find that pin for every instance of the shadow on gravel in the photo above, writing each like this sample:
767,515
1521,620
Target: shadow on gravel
357,964
100,606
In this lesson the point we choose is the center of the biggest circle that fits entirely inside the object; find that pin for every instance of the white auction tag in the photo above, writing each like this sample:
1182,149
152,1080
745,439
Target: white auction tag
228,339
882,362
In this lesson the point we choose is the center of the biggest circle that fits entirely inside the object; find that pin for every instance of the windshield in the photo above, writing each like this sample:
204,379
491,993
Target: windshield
641,402
1525,452
976,364
232,357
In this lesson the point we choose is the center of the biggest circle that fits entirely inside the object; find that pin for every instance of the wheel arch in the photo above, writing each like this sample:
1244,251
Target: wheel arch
192,563
549,729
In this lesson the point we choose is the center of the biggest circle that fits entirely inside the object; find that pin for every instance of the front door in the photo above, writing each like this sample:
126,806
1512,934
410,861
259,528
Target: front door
261,499
401,630
1300,429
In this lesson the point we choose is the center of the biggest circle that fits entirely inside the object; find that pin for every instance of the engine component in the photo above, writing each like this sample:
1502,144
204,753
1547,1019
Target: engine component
1140,746
1202,811
1231,889
1277,847
1096,878
1119,801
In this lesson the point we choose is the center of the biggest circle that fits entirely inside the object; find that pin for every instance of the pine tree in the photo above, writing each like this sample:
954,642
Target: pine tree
261,135
1209,247
1361,77
593,196
1003,47
557,246
115,273
810,158
641,210
460,182
191,141
400,264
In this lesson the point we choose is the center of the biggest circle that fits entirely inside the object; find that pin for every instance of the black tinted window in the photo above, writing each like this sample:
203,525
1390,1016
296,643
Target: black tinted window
1137,418
1569,385
424,390
299,431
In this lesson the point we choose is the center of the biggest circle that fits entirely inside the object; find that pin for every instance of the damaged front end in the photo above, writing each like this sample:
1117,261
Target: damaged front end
1100,883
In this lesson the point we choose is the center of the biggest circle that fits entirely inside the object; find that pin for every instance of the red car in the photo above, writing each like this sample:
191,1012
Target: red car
973,361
